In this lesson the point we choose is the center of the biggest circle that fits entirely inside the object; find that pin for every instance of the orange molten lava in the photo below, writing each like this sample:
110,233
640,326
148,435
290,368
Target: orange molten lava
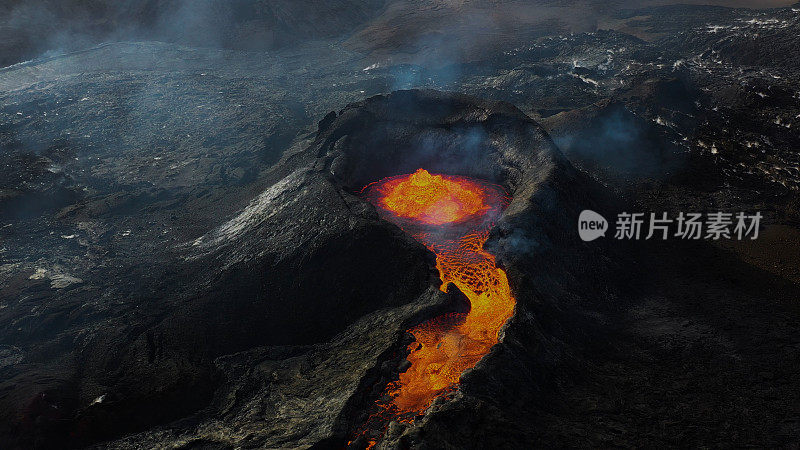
440,355
432,199
451,216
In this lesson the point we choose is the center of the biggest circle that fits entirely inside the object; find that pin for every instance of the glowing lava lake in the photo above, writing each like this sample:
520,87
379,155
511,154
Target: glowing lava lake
451,216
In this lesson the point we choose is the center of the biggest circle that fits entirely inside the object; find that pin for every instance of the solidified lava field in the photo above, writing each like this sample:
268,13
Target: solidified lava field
340,224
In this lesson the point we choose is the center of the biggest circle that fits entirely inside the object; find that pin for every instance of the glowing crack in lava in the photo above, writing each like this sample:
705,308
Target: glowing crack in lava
451,215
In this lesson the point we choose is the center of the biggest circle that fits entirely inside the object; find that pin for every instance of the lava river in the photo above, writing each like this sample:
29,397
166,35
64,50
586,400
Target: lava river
451,216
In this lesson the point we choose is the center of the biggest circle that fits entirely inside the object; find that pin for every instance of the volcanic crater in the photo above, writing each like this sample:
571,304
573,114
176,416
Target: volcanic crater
319,298
189,262
530,189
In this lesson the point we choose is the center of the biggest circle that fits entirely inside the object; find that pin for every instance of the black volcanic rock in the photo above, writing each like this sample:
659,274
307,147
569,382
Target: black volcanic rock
306,269
30,28
377,137
175,229
297,266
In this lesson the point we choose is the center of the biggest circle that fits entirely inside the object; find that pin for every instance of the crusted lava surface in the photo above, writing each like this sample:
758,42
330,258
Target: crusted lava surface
186,258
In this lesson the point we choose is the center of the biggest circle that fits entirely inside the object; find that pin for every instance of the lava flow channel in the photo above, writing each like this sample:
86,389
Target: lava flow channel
451,216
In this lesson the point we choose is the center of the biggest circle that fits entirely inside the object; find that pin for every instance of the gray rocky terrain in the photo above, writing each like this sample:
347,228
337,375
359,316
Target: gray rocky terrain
185,260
